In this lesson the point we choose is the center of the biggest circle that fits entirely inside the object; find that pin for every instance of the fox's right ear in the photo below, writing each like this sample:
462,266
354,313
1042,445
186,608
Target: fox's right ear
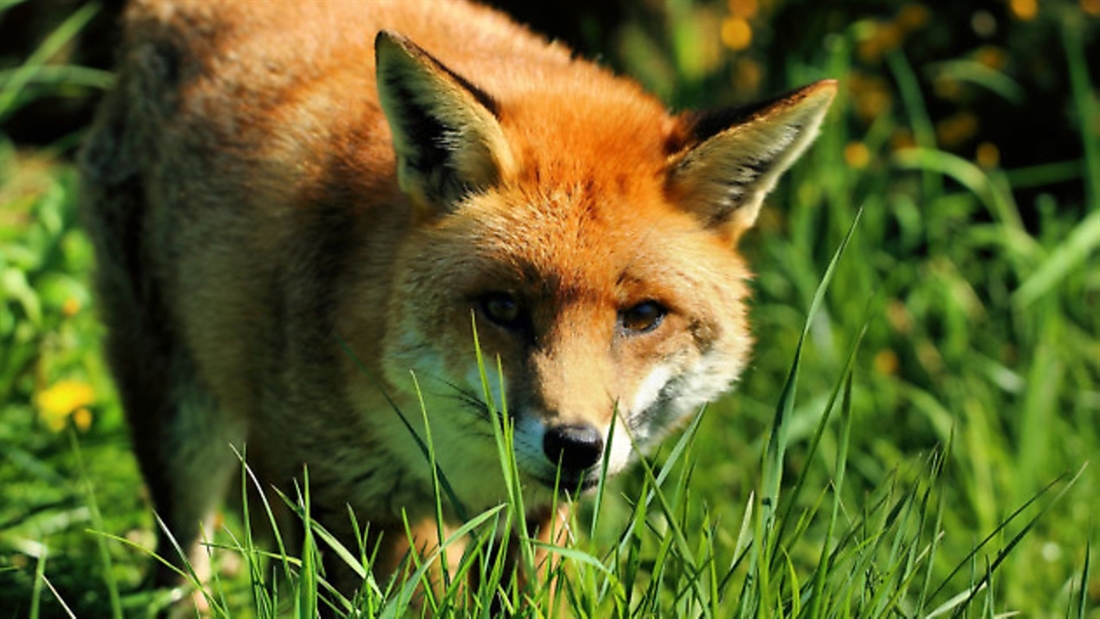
445,131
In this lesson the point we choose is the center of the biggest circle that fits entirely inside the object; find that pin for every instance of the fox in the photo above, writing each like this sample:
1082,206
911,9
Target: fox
310,217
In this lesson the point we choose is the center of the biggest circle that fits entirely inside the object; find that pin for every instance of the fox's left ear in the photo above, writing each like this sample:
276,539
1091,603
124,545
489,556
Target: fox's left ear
734,158
446,134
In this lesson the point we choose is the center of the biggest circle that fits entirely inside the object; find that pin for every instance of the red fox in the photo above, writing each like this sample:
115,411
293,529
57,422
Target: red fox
302,210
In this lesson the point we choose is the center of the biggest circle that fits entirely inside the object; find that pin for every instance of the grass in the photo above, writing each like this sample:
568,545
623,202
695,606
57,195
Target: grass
912,440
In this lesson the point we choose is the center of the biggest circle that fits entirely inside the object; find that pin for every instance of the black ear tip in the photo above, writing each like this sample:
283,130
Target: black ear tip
388,40
382,39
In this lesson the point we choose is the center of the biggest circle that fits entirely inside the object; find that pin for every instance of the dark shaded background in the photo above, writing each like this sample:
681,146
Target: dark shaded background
929,33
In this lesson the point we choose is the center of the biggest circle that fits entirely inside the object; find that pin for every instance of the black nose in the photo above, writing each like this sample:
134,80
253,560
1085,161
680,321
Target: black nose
575,447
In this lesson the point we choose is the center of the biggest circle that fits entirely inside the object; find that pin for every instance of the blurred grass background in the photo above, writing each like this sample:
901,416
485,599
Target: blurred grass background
968,132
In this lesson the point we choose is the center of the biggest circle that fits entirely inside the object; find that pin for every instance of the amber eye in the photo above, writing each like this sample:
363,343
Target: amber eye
642,318
502,308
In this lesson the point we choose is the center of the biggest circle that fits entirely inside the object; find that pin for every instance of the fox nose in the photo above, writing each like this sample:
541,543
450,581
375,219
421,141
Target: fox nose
576,447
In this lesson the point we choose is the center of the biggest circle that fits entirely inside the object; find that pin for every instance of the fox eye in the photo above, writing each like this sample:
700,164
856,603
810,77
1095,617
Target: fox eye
502,308
642,318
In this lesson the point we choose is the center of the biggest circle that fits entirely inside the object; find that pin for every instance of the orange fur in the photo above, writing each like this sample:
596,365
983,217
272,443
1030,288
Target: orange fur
262,188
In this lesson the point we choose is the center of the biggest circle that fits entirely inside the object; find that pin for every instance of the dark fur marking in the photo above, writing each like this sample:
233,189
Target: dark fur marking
707,124
480,95
166,61
430,158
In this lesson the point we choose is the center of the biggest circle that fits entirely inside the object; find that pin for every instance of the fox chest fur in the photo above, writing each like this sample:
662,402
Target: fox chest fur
303,212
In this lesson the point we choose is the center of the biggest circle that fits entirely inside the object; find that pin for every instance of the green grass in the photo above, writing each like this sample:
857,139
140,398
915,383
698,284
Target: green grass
911,440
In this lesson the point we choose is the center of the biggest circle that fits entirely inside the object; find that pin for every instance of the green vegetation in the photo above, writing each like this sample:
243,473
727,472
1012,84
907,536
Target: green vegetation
926,419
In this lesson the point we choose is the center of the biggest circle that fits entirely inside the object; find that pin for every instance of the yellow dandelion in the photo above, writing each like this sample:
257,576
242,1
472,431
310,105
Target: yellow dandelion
913,16
883,38
858,81
988,155
872,104
930,357
947,87
857,155
898,316
1024,10
745,9
954,130
70,307
736,33
1091,7
870,95
902,139
747,75
869,50
992,56
891,35
82,419
58,401
886,361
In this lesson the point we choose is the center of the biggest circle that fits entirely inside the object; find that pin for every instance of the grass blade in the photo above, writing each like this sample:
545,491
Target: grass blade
62,35
777,442
1004,552
1071,254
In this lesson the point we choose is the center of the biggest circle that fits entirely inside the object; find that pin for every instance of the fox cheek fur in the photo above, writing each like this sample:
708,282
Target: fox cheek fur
292,245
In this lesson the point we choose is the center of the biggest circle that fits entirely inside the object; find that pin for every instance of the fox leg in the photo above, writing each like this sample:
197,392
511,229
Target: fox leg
199,464
179,437
183,449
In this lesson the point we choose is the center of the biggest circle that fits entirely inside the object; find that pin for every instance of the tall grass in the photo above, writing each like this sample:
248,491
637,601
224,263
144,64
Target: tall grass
911,440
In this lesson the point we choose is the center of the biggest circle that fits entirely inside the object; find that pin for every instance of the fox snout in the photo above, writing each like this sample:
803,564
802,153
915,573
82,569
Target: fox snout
575,448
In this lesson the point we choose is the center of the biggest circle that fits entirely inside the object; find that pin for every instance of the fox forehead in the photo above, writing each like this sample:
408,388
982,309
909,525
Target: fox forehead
611,137
578,243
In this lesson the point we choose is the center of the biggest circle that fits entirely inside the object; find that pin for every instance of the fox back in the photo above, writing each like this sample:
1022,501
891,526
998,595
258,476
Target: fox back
306,214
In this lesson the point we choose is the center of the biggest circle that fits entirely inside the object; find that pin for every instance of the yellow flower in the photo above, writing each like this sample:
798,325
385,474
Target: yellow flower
745,9
885,37
870,96
988,155
913,16
954,130
947,87
70,307
747,75
82,419
902,139
62,398
871,104
886,361
1024,10
856,155
736,33
899,317
991,56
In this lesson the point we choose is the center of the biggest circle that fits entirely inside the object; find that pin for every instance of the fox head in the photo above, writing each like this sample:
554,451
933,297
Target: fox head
590,237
